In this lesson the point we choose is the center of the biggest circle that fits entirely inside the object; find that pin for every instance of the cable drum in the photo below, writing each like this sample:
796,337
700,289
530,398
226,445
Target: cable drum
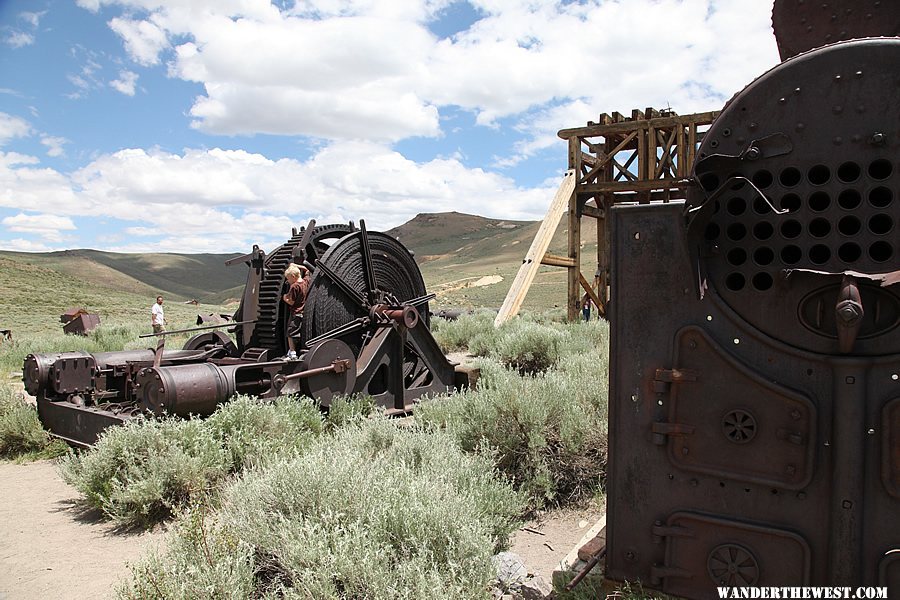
397,280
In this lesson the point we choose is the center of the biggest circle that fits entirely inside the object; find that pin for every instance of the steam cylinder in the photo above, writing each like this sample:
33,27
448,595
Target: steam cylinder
185,389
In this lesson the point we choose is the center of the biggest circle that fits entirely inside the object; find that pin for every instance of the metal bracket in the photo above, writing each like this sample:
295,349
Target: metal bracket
660,531
665,377
661,430
660,572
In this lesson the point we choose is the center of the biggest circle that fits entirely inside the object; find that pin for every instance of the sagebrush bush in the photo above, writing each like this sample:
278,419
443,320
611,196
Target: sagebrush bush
376,512
548,432
529,344
349,409
139,472
21,433
529,348
458,334
254,431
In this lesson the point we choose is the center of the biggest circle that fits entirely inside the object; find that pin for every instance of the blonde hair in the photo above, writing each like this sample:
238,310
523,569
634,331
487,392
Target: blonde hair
293,270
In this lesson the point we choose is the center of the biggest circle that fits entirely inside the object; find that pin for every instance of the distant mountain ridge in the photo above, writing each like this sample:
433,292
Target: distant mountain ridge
203,277
454,251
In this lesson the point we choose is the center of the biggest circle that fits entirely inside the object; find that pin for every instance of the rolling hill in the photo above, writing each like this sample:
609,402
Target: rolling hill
471,261
203,277
467,260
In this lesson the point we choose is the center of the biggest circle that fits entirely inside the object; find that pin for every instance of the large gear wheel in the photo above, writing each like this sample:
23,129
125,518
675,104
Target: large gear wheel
271,314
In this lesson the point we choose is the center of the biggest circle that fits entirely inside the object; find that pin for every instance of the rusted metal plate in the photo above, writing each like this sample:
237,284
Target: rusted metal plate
82,324
729,553
799,180
325,386
743,426
772,454
801,25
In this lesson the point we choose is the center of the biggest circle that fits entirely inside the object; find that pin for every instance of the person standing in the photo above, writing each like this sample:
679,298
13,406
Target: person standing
586,307
298,278
158,316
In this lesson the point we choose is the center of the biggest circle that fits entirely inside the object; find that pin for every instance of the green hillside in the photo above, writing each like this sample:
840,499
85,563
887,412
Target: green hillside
184,276
463,257
32,297
468,261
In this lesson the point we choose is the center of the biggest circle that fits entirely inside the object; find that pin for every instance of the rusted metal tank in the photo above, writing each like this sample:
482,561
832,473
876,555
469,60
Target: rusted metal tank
755,360
365,330
78,321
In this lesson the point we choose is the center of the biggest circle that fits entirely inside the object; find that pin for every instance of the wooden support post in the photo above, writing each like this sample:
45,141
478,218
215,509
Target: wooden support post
557,261
573,305
565,197
586,286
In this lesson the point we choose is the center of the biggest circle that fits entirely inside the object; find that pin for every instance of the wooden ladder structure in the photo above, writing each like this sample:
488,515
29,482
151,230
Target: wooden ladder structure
537,252
644,158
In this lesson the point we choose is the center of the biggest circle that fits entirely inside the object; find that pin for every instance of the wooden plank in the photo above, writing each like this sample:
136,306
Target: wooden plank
575,255
557,261
663,195
665,163
590,292
564,197
632,186
591,211
661,122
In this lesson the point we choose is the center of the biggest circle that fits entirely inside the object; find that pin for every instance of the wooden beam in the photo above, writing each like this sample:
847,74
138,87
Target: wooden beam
574,239
557,261
590,292
663,195
609,187
591,211
610,156
662,123
564,197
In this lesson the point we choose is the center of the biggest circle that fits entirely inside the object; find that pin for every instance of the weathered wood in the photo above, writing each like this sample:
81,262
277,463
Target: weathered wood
574,239
564,198
662,195
591,211
682,166
661,122
631,186
557,261
601,162
586,286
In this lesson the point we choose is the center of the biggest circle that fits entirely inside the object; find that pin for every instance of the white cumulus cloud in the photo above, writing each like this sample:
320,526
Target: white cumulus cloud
219,200
46,226
143,39
125,83
54,145
369,69
12,127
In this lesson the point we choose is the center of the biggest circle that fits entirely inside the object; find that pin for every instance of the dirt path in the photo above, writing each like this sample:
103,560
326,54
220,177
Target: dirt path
51,548
543,543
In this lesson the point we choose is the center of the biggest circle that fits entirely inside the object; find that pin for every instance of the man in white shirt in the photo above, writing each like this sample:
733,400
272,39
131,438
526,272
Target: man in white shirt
157,316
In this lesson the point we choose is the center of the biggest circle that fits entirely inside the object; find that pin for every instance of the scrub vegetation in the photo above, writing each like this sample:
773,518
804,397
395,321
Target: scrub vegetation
275,499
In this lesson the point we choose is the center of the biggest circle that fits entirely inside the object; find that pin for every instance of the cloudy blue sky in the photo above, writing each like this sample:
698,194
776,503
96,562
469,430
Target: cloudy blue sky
211,125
